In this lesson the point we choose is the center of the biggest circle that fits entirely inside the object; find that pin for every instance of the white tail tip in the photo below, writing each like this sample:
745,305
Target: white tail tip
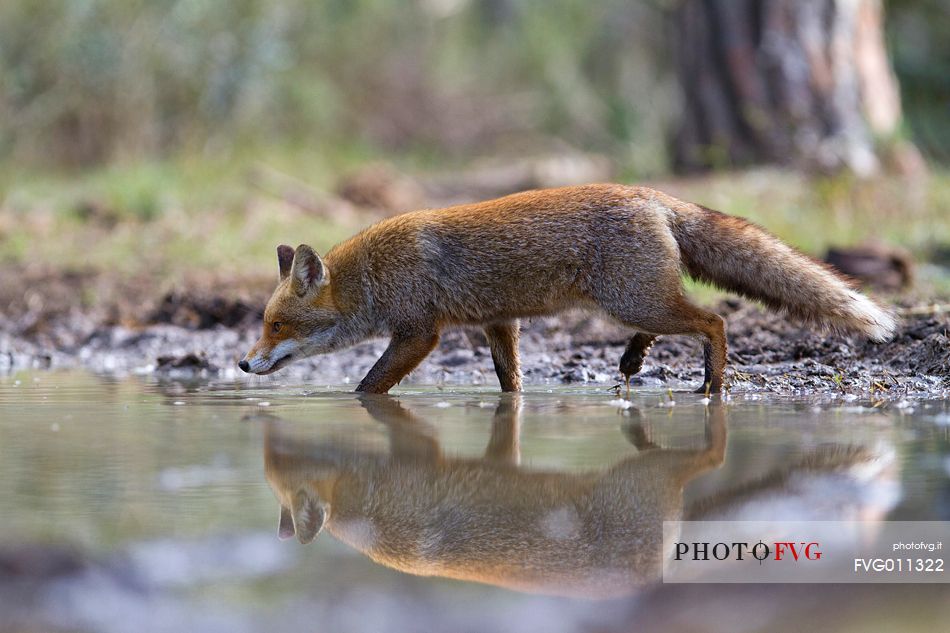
876,322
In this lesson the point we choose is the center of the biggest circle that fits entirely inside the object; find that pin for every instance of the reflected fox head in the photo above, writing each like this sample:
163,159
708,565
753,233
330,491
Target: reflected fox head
301,318
302,488
304,516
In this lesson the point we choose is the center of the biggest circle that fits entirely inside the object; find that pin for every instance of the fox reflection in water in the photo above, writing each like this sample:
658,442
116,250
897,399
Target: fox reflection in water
590,534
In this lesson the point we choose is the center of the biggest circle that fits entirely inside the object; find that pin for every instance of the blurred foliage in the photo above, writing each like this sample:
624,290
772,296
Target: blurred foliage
919,42
98,81
95,81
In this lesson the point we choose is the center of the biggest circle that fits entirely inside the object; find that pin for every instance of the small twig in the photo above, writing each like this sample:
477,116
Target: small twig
936,308
298,193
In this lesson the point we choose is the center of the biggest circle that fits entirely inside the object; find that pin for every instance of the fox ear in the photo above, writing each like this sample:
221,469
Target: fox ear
309,514
285,259
307,271
285,528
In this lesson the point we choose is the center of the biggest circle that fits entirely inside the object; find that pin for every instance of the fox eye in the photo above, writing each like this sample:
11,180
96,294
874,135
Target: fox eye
276,326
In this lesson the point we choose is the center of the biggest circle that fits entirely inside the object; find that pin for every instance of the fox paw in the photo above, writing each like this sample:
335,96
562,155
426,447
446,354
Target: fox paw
631,364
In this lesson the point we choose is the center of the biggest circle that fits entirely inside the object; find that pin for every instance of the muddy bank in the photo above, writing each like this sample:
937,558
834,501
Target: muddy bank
86,320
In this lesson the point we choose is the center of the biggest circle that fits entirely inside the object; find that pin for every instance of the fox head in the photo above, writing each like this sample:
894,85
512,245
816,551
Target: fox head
301,318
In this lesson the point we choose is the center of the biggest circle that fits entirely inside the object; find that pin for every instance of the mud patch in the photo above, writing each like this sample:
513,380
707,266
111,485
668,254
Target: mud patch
122,328
201,312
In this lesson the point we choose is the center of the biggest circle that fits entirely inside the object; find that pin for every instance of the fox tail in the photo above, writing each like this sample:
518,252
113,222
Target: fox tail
738,256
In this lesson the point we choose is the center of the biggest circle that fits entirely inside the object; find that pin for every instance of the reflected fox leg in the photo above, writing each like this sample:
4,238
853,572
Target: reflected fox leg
684,464
408,436
632,360
633,429
503,445
404,353
716,434
503,341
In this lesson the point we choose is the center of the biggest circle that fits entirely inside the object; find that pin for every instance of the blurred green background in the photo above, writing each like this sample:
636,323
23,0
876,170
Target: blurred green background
100,81
134,125
109,80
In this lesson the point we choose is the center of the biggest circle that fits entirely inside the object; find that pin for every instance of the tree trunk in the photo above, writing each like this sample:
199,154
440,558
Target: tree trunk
805,83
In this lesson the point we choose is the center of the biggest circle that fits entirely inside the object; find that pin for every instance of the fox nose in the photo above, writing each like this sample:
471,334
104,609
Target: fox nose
245,366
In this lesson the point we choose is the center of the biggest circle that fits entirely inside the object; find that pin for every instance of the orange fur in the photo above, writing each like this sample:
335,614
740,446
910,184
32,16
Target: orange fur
614,248
597,533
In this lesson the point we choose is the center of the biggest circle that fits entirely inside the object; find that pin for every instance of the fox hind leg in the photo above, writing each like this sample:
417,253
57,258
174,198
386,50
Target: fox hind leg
713,329
709,369
679,316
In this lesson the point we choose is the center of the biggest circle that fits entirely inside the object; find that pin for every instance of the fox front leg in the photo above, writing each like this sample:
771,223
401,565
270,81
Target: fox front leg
404,353
503,342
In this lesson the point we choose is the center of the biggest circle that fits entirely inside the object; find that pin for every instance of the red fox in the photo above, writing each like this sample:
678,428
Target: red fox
614,248
597,533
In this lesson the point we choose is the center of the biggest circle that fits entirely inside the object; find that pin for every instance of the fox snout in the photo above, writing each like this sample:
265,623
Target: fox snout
266,360
267,356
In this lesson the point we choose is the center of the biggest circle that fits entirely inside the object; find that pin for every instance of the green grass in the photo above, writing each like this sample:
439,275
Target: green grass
197,213
815,213
163,217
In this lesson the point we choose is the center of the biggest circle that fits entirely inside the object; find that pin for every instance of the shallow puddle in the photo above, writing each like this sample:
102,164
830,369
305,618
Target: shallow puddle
134,505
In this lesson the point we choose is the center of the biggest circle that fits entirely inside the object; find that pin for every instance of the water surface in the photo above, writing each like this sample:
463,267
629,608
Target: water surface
135,504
